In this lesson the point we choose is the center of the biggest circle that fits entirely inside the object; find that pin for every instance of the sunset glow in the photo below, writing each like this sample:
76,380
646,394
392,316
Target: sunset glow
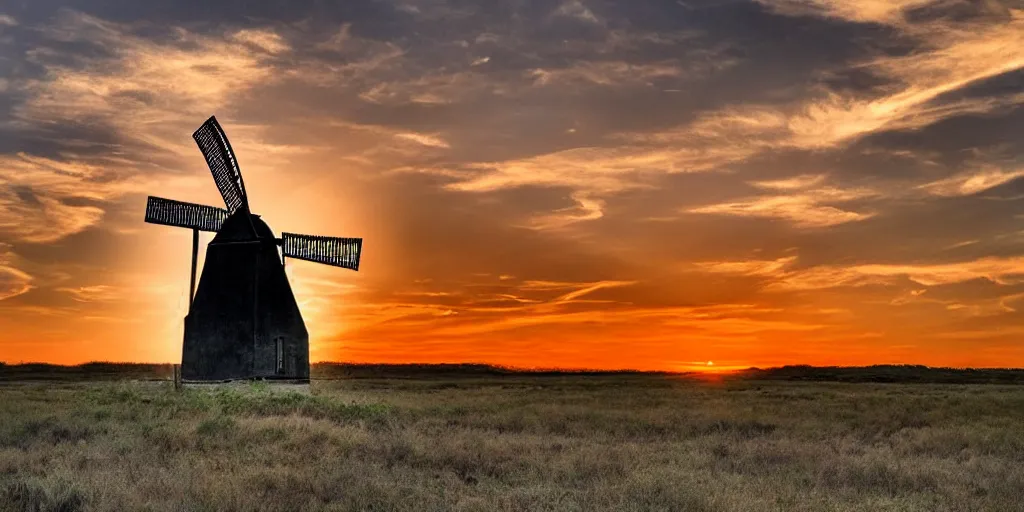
682,186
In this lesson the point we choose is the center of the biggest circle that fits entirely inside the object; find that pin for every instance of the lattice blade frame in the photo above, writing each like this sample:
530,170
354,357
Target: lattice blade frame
329,250
213,143
169,212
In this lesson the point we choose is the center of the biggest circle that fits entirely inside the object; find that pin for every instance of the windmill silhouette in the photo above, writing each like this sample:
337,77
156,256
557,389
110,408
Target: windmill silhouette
243,321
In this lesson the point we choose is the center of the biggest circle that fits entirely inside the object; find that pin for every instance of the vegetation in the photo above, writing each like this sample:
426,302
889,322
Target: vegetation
512,442
889,373
331,371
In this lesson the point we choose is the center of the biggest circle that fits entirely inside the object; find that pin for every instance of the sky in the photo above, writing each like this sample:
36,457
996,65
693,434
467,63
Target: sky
574,183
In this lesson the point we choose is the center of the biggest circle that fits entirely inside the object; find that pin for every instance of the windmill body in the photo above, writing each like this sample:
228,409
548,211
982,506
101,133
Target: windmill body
243,322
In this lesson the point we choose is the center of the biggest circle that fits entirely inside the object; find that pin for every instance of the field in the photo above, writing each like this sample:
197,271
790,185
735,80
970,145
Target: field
512,442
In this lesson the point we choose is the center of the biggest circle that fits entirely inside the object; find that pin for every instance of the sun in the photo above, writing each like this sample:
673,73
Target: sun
709,366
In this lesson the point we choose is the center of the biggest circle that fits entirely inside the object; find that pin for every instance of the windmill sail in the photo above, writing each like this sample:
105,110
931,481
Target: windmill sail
329,250
184,215
217,150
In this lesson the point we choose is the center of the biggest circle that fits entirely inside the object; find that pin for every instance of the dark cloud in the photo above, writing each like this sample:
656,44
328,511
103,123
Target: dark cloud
956,141
26,195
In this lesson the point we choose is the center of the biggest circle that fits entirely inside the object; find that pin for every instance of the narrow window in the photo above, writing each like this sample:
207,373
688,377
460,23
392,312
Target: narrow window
280,355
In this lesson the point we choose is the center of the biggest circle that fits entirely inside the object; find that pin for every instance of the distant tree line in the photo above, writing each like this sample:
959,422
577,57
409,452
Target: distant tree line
338,371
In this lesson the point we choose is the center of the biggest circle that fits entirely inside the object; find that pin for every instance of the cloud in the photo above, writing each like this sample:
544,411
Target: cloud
429,89
984,308
265,40
982,334
793,183
352,61
585,209
748,268
720,320
972,181
950,58
13,282
781,274
825,276
170,82
908,297
1000,270
874,11
956,55
575,9
587,288
594,171
34,193
802,211
805,204
48,221
95,293
577,290
607,73
426,140
7,20
168,85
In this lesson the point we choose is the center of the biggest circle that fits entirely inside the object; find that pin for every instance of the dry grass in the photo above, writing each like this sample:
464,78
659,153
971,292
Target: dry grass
513,443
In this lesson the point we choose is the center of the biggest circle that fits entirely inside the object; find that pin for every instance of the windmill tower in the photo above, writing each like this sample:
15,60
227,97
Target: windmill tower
243,321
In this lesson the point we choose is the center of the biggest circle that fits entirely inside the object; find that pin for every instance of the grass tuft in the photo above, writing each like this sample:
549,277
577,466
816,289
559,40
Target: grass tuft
35,495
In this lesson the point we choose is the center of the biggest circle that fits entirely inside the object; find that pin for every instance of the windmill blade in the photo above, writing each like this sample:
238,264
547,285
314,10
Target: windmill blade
217,150
329,250
184,215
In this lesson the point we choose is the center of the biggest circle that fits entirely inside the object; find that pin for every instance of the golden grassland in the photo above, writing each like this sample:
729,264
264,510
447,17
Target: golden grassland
512,442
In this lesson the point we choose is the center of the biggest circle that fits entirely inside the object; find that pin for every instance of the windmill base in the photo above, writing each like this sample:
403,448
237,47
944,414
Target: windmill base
300,386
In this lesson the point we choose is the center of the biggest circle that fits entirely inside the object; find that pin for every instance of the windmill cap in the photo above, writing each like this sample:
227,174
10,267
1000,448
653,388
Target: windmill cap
237,228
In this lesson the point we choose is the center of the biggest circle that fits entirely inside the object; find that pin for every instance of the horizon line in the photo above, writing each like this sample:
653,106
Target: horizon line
537,369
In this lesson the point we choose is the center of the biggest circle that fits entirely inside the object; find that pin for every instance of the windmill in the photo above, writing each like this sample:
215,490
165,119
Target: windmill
243,321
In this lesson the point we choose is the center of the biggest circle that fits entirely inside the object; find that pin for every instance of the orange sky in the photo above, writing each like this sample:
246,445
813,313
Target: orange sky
567,184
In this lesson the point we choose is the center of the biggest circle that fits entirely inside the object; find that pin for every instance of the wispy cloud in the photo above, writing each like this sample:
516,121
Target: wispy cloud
783,274
584,209
722,321
168,86
972,181
804,204
173,81
959,55
13,282
593,171
33,205
355,63
426,140
265,40
750,267
94,293
609,73
576,9
953,57
889,12
590,288
1008,270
